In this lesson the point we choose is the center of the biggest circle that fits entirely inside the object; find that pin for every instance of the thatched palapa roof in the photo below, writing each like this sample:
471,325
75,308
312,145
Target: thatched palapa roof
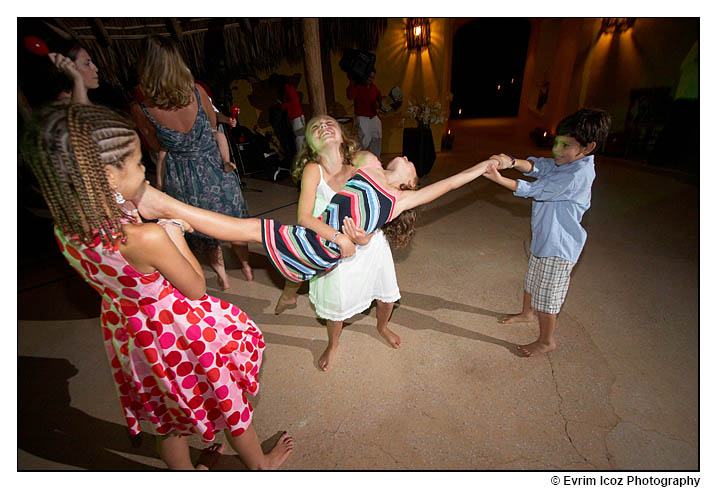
242,45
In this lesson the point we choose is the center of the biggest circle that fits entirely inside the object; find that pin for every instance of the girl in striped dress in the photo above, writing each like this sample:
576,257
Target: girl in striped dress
370,199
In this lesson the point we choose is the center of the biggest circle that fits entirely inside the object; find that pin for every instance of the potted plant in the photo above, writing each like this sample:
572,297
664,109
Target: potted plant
418,143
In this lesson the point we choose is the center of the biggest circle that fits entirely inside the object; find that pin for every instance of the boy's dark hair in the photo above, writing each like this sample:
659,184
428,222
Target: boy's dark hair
585,126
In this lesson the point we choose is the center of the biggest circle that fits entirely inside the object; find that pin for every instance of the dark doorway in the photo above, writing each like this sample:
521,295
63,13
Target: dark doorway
488,66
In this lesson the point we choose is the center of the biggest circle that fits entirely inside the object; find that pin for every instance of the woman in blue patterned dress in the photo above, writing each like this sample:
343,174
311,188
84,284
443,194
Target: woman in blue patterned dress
190,168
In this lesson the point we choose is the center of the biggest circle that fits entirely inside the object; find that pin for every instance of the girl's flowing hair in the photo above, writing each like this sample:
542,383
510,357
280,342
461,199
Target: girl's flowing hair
67,148
165,80
401,229
307,154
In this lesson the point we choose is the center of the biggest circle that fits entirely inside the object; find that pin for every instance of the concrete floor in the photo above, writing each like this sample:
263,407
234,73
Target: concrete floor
619,393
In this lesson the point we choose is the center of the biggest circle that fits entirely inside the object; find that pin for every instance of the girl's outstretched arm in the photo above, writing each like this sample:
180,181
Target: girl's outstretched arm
153,204
412,199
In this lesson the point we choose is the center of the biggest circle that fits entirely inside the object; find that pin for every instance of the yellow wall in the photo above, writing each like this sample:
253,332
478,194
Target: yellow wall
584,69
648,55
604,68
418,75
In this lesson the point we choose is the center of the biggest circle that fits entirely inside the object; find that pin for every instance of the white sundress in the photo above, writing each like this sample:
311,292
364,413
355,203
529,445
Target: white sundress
352,285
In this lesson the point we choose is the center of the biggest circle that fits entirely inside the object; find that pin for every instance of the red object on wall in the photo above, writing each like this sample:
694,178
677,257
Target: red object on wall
36,46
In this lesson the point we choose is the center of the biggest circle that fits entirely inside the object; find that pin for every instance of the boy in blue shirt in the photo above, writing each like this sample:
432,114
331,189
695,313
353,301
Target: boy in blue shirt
561,195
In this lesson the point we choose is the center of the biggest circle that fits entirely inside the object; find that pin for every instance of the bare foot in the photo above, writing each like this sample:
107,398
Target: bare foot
285,304
223,282
517,318
535,348
390,337
247,271
326,357
209,457
279,453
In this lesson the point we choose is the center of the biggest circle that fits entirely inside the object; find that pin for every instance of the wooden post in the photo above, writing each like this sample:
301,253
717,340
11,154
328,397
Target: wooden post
313,67
328,77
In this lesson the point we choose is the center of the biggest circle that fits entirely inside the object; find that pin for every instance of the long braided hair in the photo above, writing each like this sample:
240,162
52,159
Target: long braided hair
67,148
307,154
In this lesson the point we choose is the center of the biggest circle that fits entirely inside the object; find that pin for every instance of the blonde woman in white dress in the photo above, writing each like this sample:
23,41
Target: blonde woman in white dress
328,159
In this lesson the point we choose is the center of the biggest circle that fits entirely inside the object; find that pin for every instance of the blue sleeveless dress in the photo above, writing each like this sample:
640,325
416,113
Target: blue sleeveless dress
194,173
299,254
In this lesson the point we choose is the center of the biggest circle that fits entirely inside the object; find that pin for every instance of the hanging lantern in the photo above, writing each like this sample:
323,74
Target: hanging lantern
616,25
418,33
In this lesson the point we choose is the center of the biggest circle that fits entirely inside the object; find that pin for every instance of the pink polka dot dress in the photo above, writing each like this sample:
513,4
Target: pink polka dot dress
184,365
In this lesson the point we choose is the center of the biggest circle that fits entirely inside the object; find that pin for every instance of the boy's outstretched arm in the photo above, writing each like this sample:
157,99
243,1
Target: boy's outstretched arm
507,161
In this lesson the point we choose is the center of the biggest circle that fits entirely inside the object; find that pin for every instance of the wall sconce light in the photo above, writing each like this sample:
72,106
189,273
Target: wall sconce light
418,33
616,25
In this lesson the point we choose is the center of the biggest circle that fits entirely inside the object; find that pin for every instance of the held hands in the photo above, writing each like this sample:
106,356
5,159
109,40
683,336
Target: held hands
356,235
504,161
492,173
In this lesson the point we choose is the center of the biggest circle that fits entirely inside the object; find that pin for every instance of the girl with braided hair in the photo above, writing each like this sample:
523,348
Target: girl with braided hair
181,360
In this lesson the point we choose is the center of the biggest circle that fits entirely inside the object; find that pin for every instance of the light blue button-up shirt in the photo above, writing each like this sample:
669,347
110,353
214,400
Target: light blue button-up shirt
561,194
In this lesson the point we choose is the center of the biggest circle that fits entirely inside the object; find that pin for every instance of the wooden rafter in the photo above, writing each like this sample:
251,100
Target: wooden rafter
67,29
175,28
103,34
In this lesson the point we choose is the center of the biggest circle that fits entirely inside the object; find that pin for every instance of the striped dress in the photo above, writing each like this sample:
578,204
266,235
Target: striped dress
299,253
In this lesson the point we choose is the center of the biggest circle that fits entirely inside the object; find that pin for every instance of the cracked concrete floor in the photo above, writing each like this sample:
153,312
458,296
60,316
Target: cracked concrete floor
620,392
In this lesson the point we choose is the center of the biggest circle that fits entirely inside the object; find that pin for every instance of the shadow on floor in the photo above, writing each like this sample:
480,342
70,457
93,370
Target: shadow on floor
49,428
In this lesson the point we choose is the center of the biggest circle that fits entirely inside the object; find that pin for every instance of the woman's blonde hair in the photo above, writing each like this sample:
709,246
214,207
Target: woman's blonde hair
165,80
307,154
67,148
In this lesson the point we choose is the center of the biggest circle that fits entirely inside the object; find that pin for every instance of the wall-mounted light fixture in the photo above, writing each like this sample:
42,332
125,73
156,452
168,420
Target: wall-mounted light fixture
616,25
418,33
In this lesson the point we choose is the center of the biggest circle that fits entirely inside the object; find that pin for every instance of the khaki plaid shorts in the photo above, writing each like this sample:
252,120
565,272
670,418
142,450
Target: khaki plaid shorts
547,282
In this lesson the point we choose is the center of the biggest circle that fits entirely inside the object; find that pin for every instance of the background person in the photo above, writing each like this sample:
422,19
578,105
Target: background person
367,97
190,166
